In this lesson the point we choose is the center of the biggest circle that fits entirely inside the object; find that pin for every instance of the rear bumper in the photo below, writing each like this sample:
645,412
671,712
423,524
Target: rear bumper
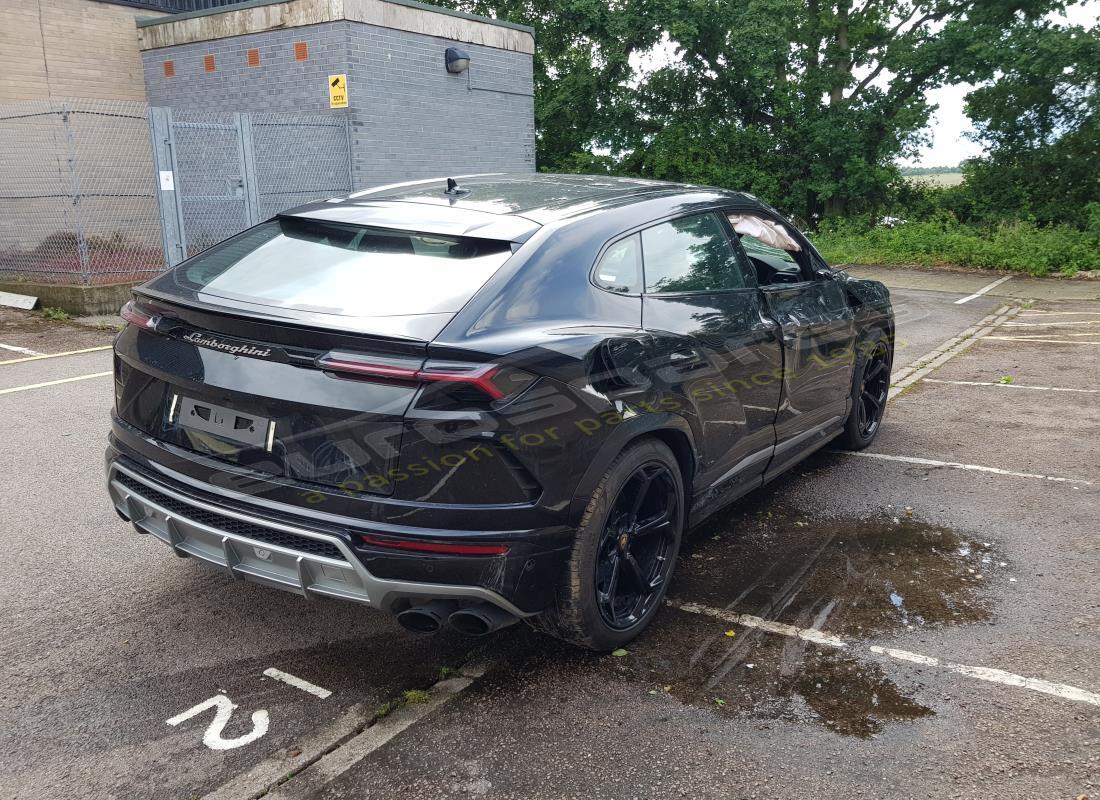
298,554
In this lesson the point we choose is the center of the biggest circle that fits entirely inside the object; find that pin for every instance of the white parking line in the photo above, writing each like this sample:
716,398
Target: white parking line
994,676
1011,386
928,462
328,763
770,626
24,350
57,355
1041,313
917,369
983,290
1052,324
1026,336
297,683
989,674
54,383
1029,339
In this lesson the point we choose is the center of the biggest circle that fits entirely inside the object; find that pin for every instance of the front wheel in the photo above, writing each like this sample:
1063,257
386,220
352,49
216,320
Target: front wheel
870,389
624,553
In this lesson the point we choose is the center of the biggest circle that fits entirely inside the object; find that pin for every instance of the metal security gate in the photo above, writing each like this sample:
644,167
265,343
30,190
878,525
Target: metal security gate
219,173
209,178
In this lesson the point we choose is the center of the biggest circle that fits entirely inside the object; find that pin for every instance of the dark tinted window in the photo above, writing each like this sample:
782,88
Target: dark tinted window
692,254
348,270
620,269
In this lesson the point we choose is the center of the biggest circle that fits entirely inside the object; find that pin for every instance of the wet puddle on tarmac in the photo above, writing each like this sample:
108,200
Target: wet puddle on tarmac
850,577
759,676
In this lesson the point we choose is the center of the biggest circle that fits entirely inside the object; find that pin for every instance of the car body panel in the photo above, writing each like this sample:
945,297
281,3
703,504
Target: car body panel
723,359
739,383
818,333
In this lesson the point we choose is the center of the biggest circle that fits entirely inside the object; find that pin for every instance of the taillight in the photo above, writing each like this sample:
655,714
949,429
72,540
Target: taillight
485,382
477,376
442,548
352,364
135,315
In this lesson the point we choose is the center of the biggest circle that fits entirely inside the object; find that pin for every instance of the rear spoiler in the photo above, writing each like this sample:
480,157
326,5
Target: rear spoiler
421,217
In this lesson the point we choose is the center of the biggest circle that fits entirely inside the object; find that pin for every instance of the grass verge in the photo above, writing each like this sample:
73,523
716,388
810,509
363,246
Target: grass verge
1019,247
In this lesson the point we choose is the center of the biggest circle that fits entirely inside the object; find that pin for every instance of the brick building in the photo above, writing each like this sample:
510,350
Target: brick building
410,117
84,207
69,48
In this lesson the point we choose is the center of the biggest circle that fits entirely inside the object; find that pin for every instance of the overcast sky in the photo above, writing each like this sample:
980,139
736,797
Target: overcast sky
949,125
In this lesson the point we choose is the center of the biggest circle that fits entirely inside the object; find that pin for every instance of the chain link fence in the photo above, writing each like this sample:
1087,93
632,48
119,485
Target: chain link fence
77,192
299,158
177,6
233,170
83,197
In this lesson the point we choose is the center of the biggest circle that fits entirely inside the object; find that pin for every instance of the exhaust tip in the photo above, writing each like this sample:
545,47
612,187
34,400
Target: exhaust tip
417,621
469,624
427,618
480,620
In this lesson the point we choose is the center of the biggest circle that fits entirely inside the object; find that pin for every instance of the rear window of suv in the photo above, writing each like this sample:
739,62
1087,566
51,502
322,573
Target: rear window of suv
346,270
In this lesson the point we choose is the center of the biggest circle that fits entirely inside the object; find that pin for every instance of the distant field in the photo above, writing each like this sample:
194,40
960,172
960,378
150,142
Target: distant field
938,178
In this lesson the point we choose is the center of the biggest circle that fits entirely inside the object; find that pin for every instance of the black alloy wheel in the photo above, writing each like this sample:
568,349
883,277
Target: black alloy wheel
871,402
624,553
870,390
634,556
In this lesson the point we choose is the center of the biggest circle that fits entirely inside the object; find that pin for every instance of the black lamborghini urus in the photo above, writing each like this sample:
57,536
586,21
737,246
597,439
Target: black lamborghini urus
480,400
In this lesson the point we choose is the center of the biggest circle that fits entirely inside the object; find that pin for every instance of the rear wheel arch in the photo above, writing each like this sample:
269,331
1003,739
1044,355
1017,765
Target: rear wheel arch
671,429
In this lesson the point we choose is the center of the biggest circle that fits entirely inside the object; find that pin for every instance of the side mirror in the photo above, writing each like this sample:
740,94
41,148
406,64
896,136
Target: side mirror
824,274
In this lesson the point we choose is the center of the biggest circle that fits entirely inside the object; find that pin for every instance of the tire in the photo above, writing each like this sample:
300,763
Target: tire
583,616
870,384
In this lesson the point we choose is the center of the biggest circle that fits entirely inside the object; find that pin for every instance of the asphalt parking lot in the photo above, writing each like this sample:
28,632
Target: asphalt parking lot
922,620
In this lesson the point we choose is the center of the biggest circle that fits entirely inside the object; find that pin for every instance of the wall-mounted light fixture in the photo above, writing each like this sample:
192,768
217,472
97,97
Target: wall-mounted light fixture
458,61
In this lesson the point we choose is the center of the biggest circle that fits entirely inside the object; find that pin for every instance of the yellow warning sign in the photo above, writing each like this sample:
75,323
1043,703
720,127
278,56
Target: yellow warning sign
337,91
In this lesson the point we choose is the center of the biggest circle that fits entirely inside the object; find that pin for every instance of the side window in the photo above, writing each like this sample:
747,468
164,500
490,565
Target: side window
620,269
773,250
692,254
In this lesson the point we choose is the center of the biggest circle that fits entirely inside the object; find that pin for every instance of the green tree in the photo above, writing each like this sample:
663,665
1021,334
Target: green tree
806,103
1040,120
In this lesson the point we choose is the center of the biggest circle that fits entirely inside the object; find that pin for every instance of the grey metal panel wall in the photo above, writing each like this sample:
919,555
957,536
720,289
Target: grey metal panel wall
410,118
235,169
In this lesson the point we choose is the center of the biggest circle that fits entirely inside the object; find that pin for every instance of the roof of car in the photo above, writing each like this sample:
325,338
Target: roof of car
525,194
499,201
